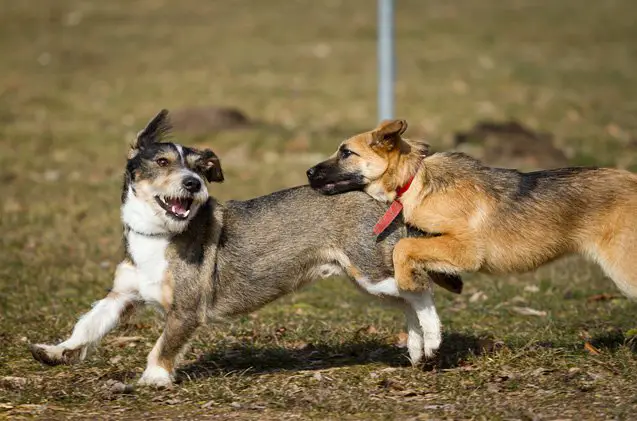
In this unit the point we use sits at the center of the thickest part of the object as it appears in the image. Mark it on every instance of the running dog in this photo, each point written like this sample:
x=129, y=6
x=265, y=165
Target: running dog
x=197, y=259
x=487, y=219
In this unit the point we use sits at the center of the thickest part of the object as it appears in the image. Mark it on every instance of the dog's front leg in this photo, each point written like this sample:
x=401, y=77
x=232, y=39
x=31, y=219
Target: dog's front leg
x=180, y=326
x=445, y=254
x=95, y=324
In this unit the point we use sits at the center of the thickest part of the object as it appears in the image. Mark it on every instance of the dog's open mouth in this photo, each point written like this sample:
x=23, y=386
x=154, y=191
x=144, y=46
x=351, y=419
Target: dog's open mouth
x=177, y=207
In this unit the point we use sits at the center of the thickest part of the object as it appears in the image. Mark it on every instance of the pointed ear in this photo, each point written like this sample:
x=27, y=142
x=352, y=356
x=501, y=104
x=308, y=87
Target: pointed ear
x=154, y=132
x=211, y=166
x=387, y=135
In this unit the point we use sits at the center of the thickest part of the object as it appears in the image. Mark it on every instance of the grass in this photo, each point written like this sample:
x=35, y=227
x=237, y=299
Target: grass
x=79, y=78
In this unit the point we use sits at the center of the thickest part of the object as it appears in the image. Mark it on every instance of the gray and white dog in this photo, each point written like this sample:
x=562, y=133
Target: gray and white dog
x=197, y=259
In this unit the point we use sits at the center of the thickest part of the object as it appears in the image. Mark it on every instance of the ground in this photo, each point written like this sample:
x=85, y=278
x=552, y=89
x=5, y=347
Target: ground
x=79, y=78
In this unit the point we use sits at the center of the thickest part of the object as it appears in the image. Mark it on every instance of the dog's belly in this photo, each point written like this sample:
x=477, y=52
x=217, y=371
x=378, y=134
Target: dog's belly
x=520, y=255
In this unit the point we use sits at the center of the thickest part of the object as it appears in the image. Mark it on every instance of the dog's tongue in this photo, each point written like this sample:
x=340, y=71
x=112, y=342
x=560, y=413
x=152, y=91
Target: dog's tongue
x=177, y=207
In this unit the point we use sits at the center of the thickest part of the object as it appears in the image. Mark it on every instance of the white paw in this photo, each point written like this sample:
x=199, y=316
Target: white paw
x=415, y=348
x=432, y=343
x=56, y=354
x=156, y=377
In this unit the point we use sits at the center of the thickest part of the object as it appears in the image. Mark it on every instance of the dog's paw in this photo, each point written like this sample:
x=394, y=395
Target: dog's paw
x=432, y=343
x=55, y=355
x=415, y=347
x=156, y=377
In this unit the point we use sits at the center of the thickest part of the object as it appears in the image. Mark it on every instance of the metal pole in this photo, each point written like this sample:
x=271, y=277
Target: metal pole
x=385, y=59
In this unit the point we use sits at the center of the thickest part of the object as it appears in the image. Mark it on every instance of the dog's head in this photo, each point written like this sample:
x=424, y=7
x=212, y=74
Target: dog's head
x=164, y=182
x=367, y=161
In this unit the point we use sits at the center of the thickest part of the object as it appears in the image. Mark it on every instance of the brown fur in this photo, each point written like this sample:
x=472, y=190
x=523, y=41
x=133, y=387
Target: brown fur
x=490, y=219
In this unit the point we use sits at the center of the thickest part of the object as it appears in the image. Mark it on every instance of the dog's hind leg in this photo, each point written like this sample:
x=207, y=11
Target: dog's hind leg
x=422, y=318
x=425, y=309
x=415, y=336
x=179, y=328
x=619, y=264
x=95, y=324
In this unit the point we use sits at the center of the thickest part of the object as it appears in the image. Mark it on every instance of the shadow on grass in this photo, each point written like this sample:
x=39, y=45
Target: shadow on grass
x=613, y=340
x=455, y=349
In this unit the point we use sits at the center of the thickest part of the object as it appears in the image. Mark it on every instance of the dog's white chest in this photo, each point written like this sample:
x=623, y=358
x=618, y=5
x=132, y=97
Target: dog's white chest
x=149, y=256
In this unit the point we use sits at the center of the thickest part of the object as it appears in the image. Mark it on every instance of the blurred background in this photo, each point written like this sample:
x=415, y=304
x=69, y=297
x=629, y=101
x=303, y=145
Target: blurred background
x=273, y=87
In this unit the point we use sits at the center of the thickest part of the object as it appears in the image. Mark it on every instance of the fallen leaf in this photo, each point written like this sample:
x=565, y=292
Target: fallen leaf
x=591, y=349
x=123, y=340
x=390, y=384
x=603, y=297
x=370, y=330
x=461, y=368
x=401, y=340
x=477, y=296
x=488, y=345
x=541, y=371
x=115, y=359
x=409, y=392
x=300, y=345
x=114, y=386
x=528, y=311
x=173, y=401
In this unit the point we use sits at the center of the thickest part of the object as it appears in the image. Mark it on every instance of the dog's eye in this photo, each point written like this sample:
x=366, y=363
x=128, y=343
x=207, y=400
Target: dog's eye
x=162, y=162
x=345, y=153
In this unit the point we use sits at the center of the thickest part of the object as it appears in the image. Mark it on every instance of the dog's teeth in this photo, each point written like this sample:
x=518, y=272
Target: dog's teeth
x=187, y=212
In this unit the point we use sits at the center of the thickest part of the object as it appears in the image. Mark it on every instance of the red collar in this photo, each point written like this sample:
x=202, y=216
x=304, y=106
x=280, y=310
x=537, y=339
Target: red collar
x=394, y=210
x=402, y=189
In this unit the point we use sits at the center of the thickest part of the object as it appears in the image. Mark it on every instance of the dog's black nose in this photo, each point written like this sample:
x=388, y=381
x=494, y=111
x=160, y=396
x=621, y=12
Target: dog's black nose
x=192, y=184
x=310, y=173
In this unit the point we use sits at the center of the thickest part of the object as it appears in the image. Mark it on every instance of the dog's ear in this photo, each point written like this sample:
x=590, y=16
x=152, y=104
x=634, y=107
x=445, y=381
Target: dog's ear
x=211, y=166
x=154, y=132
x=387, y=135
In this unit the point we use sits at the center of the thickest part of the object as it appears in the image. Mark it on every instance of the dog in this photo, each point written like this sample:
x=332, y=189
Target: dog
x=196, y=259
x=483, y=219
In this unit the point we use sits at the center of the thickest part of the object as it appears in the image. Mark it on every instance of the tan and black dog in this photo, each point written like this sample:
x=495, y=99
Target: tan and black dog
x=489, y=219
x=196, y=259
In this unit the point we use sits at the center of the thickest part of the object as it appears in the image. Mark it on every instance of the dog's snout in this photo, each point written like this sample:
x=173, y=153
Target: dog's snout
x=192, y=184
x=311, y=172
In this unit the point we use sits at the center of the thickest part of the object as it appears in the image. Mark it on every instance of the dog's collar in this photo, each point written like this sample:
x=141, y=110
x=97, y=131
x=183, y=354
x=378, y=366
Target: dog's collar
x=394, y=210
x=145, y=234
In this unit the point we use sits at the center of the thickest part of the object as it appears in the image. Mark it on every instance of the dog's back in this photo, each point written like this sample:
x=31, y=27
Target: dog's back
x=274, y=244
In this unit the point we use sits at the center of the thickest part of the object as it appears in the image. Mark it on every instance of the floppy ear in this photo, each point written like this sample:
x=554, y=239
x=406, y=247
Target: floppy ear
x=387, y=135
x=211, y=166
x=154, y=132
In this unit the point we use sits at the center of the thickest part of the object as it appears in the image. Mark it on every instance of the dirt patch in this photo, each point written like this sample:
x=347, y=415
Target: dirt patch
x=204, y=120
x=510, y=145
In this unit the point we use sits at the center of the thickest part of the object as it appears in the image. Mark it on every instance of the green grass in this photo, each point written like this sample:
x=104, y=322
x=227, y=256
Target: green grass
x=79, y=78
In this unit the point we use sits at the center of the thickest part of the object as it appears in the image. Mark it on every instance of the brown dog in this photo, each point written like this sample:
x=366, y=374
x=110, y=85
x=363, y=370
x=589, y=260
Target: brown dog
x=489, y=219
